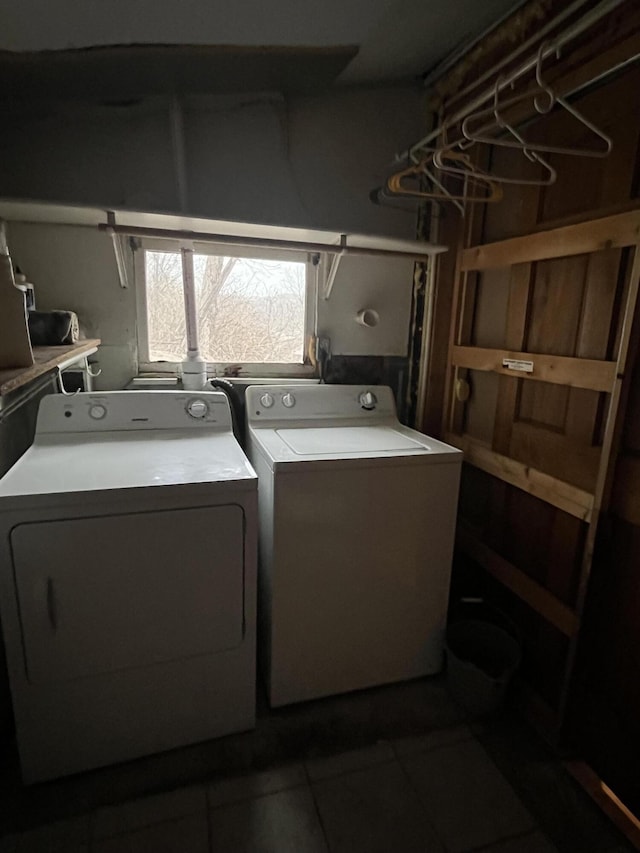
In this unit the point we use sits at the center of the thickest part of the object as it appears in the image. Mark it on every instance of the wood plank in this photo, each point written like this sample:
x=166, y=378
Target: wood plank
x=556, y=492
x=519, y=583
x=552, y=452
x=629, y=345
x=46, y=358
x=596, y=235
x=559, y=370
x=464, y=330
x=610, y=804
x=454, y=320
x=515, y=335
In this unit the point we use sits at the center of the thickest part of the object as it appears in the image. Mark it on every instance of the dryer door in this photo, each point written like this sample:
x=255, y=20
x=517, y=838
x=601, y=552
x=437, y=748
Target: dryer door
x=102, y=594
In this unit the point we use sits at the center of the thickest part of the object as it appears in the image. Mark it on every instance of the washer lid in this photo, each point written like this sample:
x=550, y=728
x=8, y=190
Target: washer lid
x=313, y=441
x=350, y=445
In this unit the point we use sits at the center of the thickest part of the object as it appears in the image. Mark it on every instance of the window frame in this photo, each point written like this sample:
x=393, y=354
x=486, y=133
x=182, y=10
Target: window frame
x=247, y=369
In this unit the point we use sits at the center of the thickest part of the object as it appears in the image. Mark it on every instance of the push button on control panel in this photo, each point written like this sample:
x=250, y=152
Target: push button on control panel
x=267, y=401
x=97, y=412
x=288, y=400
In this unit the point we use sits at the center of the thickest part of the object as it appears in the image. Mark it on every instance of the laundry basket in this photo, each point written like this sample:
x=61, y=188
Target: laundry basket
x=481, y=659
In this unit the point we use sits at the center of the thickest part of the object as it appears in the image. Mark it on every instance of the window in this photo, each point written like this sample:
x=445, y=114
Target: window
x=254, y=309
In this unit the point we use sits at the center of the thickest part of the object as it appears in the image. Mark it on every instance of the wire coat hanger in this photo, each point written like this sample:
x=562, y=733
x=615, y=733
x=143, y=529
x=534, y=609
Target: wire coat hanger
x=490, y=190
x=477, y=135
x=532, y=156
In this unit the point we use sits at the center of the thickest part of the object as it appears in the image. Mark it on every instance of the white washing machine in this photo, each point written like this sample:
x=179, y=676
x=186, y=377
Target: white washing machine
x=357, y=520
x=127, y=579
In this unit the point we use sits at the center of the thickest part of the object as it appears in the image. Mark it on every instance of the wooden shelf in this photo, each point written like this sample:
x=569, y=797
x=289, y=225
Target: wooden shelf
x=46, y=359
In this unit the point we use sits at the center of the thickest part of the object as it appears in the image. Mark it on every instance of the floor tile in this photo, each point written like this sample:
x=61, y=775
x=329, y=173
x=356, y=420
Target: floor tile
x=136, y=814
x=534, y=843
x=247, y=787
x=432, y=740
x=187, y=835
x=59, y=836
x=468, y=800
x=286, y=822
x=561, y=808
x=415, y=707
x=344, y=762
x=374, y=811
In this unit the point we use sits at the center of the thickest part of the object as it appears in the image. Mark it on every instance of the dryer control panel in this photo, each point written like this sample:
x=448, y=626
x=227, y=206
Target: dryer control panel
x=115, y=411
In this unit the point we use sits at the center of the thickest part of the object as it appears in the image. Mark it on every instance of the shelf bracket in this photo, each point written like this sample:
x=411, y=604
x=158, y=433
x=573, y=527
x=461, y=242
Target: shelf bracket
x=117, y=250
x=333, y=268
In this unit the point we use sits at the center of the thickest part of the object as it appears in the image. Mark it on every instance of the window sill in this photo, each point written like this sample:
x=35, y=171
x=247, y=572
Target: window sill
x=153, y=381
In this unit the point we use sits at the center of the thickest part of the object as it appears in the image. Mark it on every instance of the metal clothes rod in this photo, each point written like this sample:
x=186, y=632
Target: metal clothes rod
x=270, y=243
x=523, y=48
x=584, y=23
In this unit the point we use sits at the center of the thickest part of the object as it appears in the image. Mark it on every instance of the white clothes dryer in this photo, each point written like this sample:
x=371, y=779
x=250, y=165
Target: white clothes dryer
x=127, y=579
x=357, y=521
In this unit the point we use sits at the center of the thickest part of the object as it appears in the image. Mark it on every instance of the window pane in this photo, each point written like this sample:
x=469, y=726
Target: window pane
x=250, y=310
x=165, y=306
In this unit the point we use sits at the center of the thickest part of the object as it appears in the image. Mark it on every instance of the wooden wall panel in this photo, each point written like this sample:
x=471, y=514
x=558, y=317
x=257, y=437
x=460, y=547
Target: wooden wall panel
x=490, y=315
x=517, y=213
x=558, y=290
x=481, y=407
x=532, y=554
x=587, y=184
x=606, y=707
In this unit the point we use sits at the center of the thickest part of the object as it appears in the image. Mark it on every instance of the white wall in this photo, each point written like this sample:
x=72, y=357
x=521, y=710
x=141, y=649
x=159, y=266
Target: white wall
x=74, y=269
x=303, y=162
x=381, y=284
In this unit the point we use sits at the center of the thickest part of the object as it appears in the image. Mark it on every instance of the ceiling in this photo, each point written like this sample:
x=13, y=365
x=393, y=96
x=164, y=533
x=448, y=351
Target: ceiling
x=376, y=40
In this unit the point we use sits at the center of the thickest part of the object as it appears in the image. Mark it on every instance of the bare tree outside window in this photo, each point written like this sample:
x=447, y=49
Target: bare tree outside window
x=249, y=310
x=165, y=306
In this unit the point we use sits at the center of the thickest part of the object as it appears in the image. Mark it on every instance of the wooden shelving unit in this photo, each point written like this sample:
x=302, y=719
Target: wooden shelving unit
x=503, y=454
x=46, y=359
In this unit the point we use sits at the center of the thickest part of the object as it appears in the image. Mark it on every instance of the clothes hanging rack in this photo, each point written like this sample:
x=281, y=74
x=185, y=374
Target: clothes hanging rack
x=522, y=49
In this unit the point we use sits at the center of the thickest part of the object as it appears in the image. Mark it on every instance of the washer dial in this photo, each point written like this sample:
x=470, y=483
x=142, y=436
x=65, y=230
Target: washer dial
x=267, y=401
x=368, y=400
x=197, y=408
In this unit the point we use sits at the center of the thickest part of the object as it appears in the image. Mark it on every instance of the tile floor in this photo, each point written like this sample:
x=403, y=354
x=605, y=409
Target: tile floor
x=417, y=778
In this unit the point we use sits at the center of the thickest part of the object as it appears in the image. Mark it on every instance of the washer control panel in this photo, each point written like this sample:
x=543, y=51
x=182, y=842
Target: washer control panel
x=316, y=402
x=111, y=411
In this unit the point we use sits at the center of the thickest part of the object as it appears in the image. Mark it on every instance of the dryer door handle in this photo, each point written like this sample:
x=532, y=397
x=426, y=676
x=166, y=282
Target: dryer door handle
x=51, y=605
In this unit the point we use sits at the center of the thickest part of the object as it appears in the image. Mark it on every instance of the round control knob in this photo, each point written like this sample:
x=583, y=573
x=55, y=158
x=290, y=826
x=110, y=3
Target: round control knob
x=97, y=412
x=368, y=400
x=197, y=408
x=288, y=400
x=266, y=401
